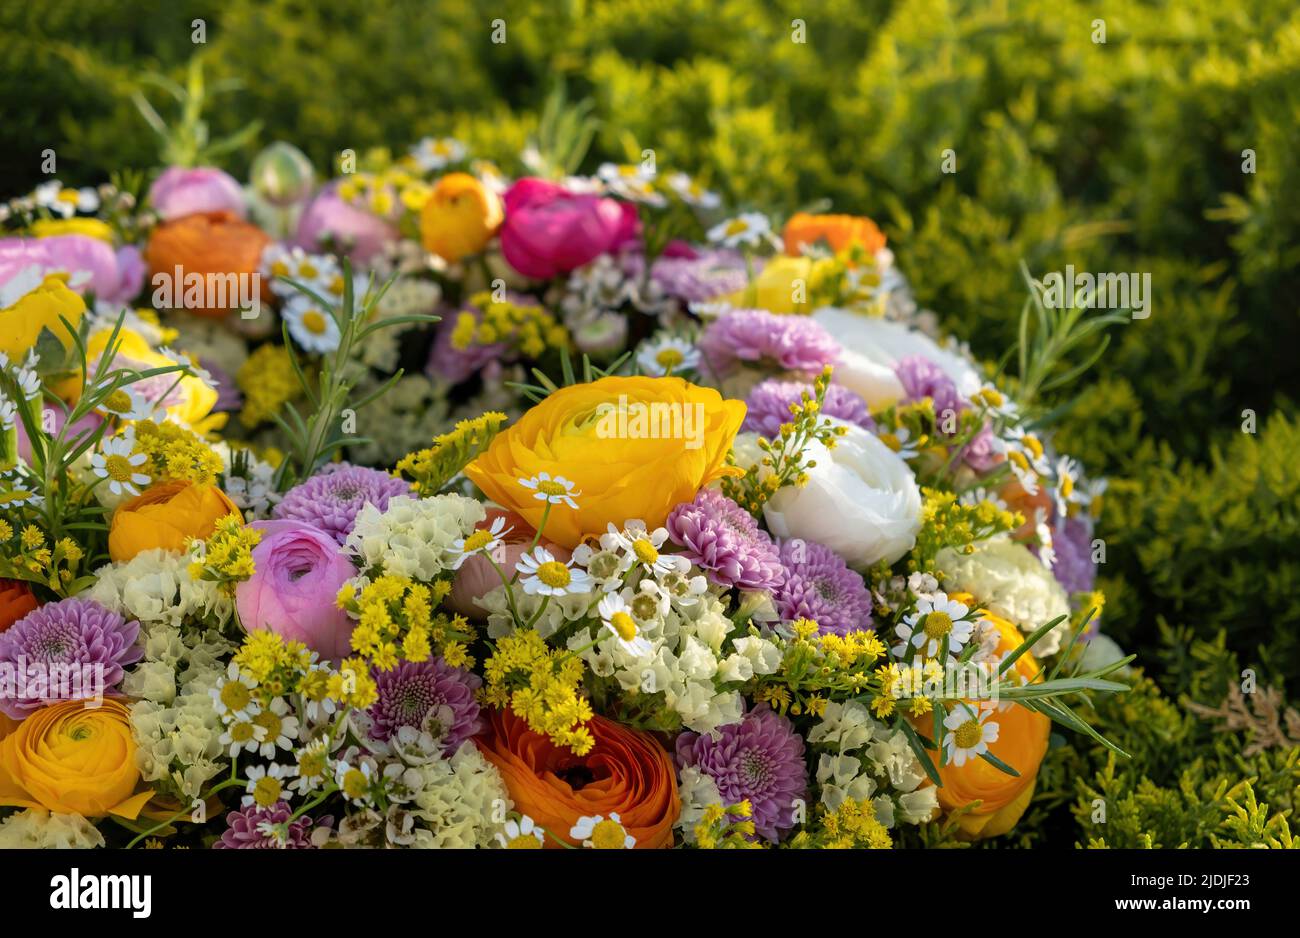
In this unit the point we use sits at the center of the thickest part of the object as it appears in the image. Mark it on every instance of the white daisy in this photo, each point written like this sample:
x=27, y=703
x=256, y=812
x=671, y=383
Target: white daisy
x=241, y=734
x=553, y=490
x=355, y=781
x=1030, y=447
x=934, y=619
x=617, y=616
x=601, y=833
x=748, y=228
x=266, y=785
x=118, y=464
x=281, y=727
x=8, y=413
x=1067, y=490
x=543, y=575
x=482, y=541
x=666, y=355
x=692, y=193
x=632, y=182
x=233, y=695
x=126, y=403
x=313, y=766
x=433, y=155
x=311, y=327
x=900, y=441
x=521, y=835
x=969, y=734
x=641, y=546
x=605, y=566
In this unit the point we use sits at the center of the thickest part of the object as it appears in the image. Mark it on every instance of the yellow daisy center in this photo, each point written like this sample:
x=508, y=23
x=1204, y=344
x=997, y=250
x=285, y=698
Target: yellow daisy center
x=235, y=696
x=314, y=322
x=551, y=488
x=267, y=791
x=311, y=763
x=478, y=540
x=1019, y=459
x=307, y=270
x=1067, y=486
x=624, y=625
x=524, y=842
x=937, y=625
x=968, y=734
x=608, y=835
x=892, y=441
x=554, y=574
x=1032, y=444
x=119, y=402
x=354, y=783
x=271, y=721
x=736, y=226
x=280, y=269
x=669, y=358
x=241, y=732
x=645, y=551
x=119, y=468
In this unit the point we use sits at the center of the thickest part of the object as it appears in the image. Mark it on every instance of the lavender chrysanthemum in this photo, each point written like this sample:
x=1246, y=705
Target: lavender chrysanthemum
x=788, y=343
x=331, y=499
x=79, y=635
x=704, y=277
x=723, y=539
x=820, y=586
x=265, y=829
x=1072, y=545
x=768, y=406
x=413, y=690
x=922, y=378
x=761, y=759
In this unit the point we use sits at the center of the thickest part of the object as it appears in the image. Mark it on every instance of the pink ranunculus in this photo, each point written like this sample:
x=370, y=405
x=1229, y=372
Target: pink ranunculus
x=180, y=191
x=299, y=571
x=476, y=577
x=550, y=230
x=91, y=264
x=329, y=219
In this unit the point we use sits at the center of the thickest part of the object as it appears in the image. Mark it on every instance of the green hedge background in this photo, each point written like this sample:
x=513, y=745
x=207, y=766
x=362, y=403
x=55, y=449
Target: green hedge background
x=1122, y=156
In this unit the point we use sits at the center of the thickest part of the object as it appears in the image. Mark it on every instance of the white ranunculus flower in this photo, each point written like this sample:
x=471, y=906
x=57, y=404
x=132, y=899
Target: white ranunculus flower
x=1009, y=580
x=871, y=348
x=861, y=501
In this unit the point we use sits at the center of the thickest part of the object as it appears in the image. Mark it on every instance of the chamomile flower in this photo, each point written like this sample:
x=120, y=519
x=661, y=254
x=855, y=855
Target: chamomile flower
x=641, y=546
x=1031, y=447
x=1023, y=470
x=521, y=835
x=998, y=404
x=16, y=492
x=311, y=326
x=972, y=497
x=969, y=734
x=901, y=442
x=1046, y=549
x=313, y=766
x=28, y=377
x=126, y=404
x=66, y=202
x=354, y=781
x=748, y=228
x=482, y=541
x=692, y=193
x=433, y=155
x=119, y=465
x=241, y=734
x=1066, y=490
x=605, y=566
x=543, y=575
x=617, y=617
x=318, y=272
x=281, y=727
x=601, y=833
x=266, y=785
x=233, y=695
x=666, y=355
x=554, y=490
x=934, y=620
x=632, y=182
x=8, y=413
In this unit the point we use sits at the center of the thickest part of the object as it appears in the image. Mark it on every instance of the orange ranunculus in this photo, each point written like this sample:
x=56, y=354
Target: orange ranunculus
x=1021, y=744
x=460, y=217
x=841, y=232
x=634, y=448
x=69, y=758
x=626, y=773
x=16, y=600
x=166, y=515
x=207, y=243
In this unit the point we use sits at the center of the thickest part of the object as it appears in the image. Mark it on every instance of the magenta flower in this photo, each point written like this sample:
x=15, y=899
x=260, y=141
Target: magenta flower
x=757, y=337
x=331, y=499
x=270, y=828
x=701, y=277
x=412, y=691
x=180, y=191
x=819, y=585
x=549, y=230
x=722, y=538
x=330, y=221
x=768, y=406
x=299, y=571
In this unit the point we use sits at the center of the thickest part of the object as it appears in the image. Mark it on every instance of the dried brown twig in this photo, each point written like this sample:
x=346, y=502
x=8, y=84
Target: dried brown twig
x=1266, y=720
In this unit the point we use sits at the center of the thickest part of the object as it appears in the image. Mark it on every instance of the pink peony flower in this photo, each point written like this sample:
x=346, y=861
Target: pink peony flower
x=180, y=191
x=92, y=265
x=299, y=571
x=328, y=219
x=550, y=231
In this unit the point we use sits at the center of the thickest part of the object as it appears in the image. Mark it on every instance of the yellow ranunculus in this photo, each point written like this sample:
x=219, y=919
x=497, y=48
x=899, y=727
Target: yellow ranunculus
x=90, y=227
x=21, y=324
x=784, y=285
x=459, y=217
x=166, y=515
x=69, y=758
x=634, y=448
x=1021, y=744
x=190, y=401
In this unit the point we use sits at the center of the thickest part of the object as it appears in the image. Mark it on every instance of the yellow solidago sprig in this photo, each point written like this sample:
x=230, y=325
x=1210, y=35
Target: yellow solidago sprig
x=784, y=462
x=817, y=667
x=528, y=328
x=396, y=621
x=175, y=453
x=436, y=465
x=27, y=554
x=271, y=667
x=851, y=826
x=543, y=686
x=727, y=828
x=946, y=522
x=226, y=557
x=268, y=382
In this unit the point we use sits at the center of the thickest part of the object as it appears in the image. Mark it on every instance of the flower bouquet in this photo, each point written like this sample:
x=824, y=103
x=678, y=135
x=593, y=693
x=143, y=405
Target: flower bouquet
x=431, y=508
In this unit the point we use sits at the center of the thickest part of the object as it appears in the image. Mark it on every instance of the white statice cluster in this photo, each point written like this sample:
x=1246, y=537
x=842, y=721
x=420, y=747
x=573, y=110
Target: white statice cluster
x=861, y=758
x=35, y=829
x=155, y=587
x=413, y=537
x=1009, y=580
x=248, y=481
x=176, y=727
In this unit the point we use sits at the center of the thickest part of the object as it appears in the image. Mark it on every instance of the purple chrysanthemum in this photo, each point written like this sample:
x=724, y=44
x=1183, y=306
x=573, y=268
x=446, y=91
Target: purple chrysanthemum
x=722, y=538
x=921, y=378
x=1072, y=544
x=704, y=277
x=265, y=829
x=768, y=406
x=820, y=586
x=790, y=343
x=412, y=690
x=332, y=499
x=60, y=648
x=984, y=451
x=761, y=759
